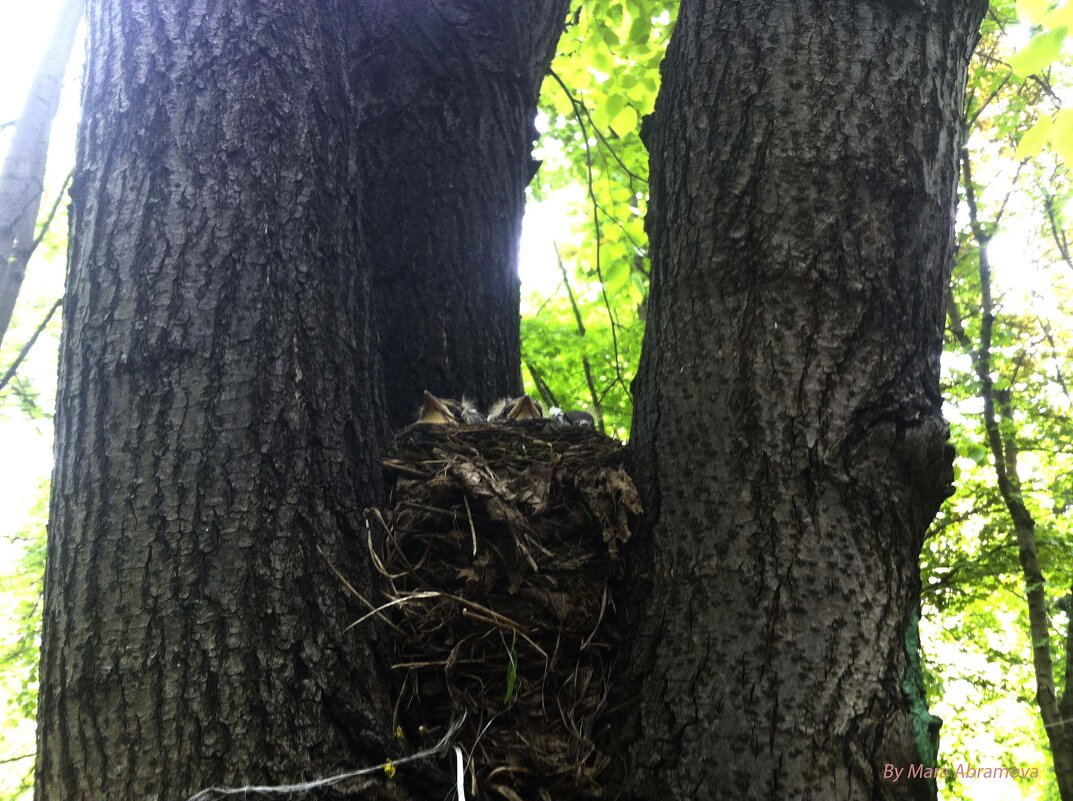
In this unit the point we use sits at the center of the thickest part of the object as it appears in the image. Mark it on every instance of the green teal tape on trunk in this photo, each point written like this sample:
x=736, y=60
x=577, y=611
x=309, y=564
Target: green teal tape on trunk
x=925, y=725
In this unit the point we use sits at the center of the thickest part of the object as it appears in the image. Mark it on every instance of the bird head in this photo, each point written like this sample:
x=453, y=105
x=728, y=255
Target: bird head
x=435, y=412
x=465, y=411
x=525, y=408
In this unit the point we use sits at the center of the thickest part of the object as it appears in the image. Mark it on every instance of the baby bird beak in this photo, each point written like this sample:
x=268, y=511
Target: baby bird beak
x=434, y=412
x=525, y=408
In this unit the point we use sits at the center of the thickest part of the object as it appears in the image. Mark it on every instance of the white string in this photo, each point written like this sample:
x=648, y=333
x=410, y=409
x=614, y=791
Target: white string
x=460, y=765
x=289, y=789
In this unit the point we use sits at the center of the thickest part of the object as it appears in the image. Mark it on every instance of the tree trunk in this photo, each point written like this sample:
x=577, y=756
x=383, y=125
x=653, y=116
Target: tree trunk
x=788, y=437
x=218, y=418
x=1062, y=742
x=447, y=93
x=1000, y=426
x=23, y=177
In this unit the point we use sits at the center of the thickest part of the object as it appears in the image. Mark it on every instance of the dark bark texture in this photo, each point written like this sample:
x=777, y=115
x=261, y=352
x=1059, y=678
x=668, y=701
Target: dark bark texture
x=217, y=420
x=788, y=435
x=448, y=91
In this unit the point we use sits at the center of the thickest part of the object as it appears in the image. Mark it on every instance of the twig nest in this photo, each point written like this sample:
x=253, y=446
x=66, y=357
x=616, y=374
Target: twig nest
x=499, y=555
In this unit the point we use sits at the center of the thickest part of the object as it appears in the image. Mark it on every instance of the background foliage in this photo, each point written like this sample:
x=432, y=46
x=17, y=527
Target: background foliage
x=583, y=319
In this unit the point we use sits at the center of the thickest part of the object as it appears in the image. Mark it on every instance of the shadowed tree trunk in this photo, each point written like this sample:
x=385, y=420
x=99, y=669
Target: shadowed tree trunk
x=447, y=93
x=22, y=178
x=218, y=418
x=788, y=437
x=1055, y=705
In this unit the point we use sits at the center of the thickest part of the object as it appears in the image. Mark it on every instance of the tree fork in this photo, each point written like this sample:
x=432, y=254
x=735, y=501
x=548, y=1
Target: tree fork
x=788, y=436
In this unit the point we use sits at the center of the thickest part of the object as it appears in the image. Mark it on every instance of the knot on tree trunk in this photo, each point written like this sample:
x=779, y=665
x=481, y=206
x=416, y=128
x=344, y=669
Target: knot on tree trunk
x=928, y=455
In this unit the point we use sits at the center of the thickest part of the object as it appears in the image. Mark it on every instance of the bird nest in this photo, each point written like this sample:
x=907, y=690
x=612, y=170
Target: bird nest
x=500, y=562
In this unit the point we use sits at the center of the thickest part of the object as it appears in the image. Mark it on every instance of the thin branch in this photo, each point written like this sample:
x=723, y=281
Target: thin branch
x=597, y=406
x=1058, y=234
x=570, y=292
x=51, y=215
x=988, y=100
x=622, y=227
x=957, y=326
x=993, y=60
x=948, y=578
x=578, y=115
x=24, y=352
x=542, y=386
x=596, y=130
x=993, y=15
x=1054, y=355
x=547, y=300
x=1006, y=200
x=1065, y=705
x=1044, y=83
x=1004, y=457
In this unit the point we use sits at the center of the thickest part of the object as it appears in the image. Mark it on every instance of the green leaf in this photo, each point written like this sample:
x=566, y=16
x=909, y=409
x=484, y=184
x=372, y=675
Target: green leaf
x=638, y=286
x=625, y=121
x=639, y=93
x=613, y=106
x=1033, y=140
x=1041, y=51
x=512, y=678
x=1062, y=135
x=599, y=116
x=1031, y=11
x=616, y=277
x=601, y=60
x=641, y=29
x=1060, y=17
x=978, y=453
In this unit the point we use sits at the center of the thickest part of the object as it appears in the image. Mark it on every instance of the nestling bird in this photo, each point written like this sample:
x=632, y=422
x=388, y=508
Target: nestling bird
x=574, y=418
x=434, y=411
x=521, y=408
x=464, y=411
x=448, y=411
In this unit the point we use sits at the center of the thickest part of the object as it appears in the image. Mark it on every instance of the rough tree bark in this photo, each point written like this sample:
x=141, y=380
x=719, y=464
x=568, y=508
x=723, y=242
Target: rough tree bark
x=788, y=437
x=23, y=176
x=447, y=92
x=217, y=419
